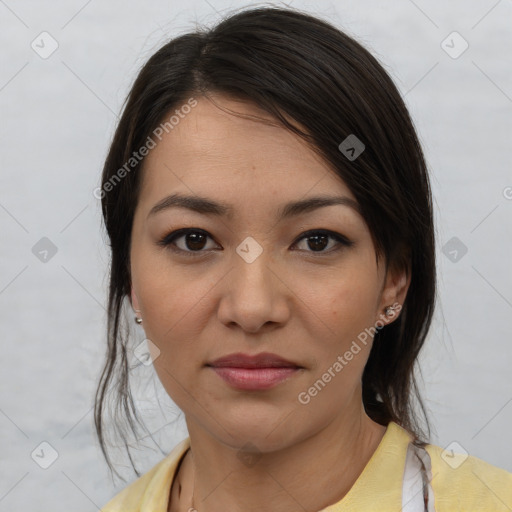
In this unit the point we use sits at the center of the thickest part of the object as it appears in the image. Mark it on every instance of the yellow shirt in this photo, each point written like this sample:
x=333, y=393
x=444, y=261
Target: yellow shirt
x=473, y=485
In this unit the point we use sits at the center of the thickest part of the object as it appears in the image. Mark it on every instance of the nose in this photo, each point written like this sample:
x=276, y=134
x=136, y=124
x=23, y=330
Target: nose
x=254, y=295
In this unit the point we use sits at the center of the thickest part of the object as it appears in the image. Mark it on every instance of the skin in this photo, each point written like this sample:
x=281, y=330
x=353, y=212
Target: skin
x=305, y=304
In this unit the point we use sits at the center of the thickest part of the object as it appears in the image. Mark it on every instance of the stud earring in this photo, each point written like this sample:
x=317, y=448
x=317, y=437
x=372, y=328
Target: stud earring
x=137, y=319
x=390, y=310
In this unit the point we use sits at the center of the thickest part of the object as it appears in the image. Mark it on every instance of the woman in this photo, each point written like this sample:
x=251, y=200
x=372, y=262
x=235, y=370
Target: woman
x=270, y=218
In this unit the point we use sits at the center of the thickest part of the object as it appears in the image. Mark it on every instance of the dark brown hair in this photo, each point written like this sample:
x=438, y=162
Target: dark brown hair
x=304, y=72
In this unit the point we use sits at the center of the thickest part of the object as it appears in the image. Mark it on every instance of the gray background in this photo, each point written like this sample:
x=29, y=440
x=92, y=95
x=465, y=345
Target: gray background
x=57, y=117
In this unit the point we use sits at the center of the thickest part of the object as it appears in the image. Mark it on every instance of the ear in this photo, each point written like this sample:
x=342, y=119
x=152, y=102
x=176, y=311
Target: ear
x=394, y=291
x=134, y=300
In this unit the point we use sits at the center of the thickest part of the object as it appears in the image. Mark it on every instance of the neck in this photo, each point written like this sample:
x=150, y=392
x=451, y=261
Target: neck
x=218, y=478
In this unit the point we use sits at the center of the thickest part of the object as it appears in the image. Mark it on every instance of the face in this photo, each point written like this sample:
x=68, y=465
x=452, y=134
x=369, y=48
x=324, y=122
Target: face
x=209, y=283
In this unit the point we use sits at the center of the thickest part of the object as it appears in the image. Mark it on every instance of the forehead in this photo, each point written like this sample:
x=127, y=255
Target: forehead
x=221, y=155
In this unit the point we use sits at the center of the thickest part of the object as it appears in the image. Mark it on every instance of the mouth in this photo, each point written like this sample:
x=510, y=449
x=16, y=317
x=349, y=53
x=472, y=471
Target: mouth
x=254, y=378
x=254, y=372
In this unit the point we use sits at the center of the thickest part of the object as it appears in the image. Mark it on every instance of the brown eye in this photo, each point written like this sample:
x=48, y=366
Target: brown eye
x=194, y=241
x=318, y=240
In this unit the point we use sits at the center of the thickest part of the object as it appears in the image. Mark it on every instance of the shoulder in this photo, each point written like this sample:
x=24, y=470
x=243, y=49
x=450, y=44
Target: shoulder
x=460, y=481
x=150, y=491
x=465, y=482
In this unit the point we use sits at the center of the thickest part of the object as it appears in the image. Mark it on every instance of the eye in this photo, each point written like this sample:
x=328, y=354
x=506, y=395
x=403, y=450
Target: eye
x=318, y=239
x=194, y=241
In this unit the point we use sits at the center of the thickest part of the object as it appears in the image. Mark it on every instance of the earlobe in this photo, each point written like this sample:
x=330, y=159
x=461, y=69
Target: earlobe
x=134, y=300
x=135, y=305
x=394, y=294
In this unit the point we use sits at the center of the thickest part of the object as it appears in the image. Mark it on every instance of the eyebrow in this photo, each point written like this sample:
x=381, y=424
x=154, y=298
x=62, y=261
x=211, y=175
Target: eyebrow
x=206, y=206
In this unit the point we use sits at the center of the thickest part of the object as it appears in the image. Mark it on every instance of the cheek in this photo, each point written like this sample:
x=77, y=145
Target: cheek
x=340, y=307
x=173, y=307
x=168, y=294
x=346, y=304
x=342, y=312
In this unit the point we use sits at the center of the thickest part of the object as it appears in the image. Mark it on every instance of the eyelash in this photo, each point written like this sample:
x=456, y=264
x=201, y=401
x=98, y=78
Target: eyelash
x=167, y=240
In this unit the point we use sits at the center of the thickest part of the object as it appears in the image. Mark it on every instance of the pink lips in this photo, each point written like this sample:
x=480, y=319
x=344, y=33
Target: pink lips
x=258, y=372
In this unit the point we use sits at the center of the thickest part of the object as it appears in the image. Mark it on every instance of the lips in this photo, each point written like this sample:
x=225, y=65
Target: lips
x=254, y=379
x=262, y=360
x=254, y=373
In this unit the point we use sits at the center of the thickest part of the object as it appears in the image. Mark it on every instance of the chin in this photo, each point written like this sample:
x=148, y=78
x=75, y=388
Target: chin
x=260, y=435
